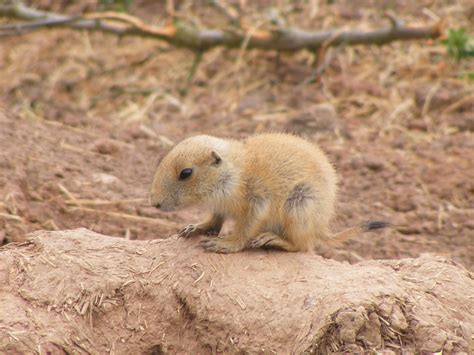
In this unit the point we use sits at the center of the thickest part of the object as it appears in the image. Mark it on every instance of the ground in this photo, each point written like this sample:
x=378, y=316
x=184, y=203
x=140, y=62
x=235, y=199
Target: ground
x=86, y=117
x=95, y=294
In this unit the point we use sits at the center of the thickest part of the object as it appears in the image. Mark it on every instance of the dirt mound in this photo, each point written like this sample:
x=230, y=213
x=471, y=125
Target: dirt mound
x=78, y=291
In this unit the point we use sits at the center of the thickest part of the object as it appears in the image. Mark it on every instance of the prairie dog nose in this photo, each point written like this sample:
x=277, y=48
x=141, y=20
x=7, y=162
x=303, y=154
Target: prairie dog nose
x=153, y=201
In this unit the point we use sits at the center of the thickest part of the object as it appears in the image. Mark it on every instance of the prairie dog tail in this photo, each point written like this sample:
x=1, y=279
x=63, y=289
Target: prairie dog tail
x=353, y=231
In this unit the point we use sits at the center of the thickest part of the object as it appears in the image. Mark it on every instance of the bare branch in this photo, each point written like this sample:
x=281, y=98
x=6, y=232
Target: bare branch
x=185, y=35
x=21, y=28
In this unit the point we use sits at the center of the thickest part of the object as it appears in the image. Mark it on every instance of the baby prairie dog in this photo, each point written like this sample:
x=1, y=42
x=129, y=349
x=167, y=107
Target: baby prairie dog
x=279, y=189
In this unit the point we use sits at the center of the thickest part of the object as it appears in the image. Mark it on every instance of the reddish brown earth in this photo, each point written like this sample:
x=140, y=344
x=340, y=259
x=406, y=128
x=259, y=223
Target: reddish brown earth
x=86, y=117
x=81, y=292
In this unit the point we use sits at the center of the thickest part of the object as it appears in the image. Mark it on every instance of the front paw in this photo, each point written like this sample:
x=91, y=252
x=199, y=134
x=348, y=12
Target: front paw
x=220, y=246
x=189, y=231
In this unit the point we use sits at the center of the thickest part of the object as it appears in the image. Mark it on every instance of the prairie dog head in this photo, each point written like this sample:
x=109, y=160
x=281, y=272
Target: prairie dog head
x=194, y=171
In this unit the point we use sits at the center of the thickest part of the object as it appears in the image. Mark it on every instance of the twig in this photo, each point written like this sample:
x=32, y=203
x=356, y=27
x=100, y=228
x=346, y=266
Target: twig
x=227, y=11
x=94, y=74
x=78, y=202
x=11, y=217
x=76, y=149
x=456, y=105
x=50, y=224
x=68, y=194
x=185, y=35
x=21, y=28
x=394, y=22
x=322, y=64
x=192, y=71
x=276, y=19
x=130, y=217
x=323, y=60
x=429, y=97
x=199, y=278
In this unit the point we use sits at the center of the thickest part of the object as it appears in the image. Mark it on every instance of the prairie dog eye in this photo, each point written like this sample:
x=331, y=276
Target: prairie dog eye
x=185, y=173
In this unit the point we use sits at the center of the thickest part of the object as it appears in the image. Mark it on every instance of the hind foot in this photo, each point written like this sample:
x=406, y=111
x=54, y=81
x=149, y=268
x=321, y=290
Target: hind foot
x=272, y=240
x=218, y=245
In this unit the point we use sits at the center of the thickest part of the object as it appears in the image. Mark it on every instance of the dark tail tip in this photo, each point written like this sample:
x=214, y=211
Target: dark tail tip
x=371, y=225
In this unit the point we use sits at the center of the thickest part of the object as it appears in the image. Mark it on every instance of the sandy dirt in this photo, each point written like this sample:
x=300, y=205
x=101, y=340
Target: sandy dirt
x=81, y=292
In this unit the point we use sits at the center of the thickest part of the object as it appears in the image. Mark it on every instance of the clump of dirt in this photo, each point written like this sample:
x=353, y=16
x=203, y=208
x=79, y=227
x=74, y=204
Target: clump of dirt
x=98, y=294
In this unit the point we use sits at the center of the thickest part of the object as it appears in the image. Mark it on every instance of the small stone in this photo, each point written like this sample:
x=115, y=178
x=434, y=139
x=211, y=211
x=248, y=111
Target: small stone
x=403, y=203
x=105, y=179
x=397, y=319
x=106, y=146
x=350, y=322
x=371, y=331
x=371, y=162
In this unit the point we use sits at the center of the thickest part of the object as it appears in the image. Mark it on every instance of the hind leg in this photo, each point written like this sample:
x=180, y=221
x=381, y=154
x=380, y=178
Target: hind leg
x=305, y=215
x=270, y=239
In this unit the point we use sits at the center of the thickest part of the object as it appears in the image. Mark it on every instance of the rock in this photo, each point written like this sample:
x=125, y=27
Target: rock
x=106, y=146
x=369, y=161
x=105, y=179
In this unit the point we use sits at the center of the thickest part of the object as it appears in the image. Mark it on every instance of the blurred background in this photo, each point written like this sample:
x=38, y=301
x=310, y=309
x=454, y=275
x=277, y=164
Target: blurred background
x=86, y=116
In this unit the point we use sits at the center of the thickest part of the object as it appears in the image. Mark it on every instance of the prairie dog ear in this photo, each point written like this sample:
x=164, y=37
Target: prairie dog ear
x=216, y=158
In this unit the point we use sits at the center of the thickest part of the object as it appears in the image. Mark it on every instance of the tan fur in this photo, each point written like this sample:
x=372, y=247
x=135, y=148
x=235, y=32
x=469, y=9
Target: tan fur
x=279, y=189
